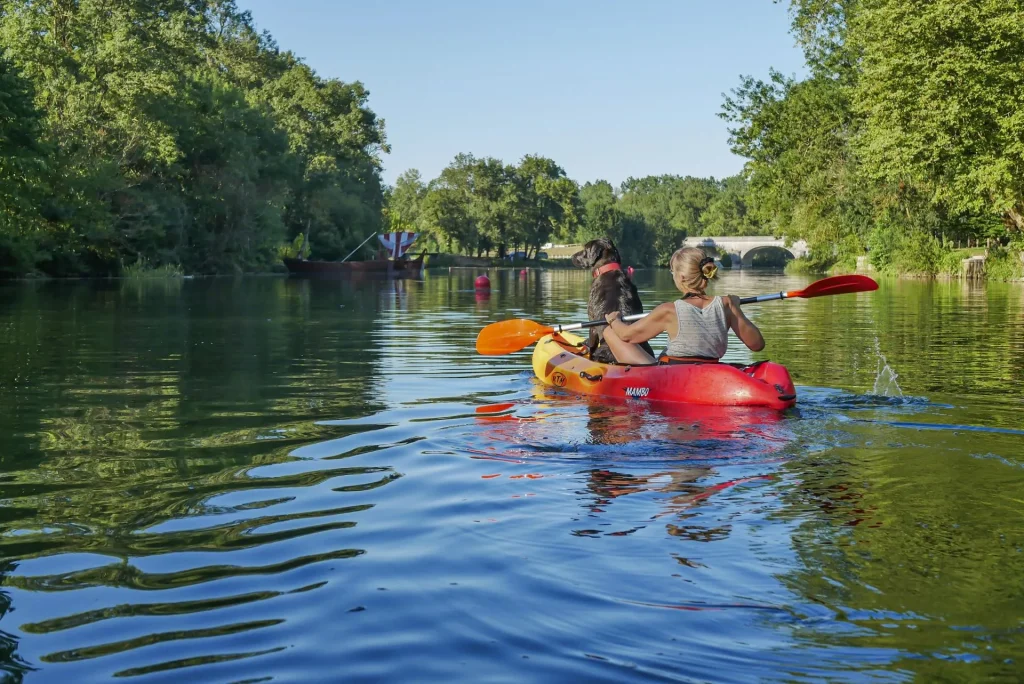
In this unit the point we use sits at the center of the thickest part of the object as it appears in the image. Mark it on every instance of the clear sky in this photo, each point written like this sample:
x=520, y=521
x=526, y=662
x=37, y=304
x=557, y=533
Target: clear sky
x=607, y=88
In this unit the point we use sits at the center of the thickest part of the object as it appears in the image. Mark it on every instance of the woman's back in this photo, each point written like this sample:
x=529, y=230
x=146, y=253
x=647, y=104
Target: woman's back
x=702, y=332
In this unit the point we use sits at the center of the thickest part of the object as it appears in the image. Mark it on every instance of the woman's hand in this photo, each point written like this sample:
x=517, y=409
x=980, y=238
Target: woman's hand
x=612, y=317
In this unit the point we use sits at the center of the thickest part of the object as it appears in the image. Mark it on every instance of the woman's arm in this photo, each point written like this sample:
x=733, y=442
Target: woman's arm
x=644, y=329
x=741, y=325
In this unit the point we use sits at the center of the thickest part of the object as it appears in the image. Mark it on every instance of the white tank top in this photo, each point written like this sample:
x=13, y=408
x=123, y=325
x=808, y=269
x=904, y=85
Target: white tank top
x=702, y=332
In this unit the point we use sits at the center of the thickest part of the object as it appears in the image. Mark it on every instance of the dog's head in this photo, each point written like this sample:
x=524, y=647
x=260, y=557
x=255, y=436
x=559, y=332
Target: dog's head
x=596, y=253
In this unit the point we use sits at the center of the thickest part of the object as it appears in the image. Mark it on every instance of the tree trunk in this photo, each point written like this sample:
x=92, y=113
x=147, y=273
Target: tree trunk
x=1015, y=218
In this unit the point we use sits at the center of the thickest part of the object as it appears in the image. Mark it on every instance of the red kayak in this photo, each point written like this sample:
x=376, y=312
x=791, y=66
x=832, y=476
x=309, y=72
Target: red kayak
x=557, y=362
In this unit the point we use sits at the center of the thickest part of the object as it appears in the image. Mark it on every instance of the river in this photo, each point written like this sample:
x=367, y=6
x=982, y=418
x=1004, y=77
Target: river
x=263, y=479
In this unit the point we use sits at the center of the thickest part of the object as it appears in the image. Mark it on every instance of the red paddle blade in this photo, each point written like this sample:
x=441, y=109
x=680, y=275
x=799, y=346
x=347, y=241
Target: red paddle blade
x=494, y=408
x=505, y=337
x=836, y=285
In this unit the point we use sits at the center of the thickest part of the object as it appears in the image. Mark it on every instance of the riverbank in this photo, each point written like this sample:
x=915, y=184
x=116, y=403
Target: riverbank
x=996, y=264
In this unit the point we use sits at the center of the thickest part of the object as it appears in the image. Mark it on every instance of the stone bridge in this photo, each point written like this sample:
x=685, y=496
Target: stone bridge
x=742, y=249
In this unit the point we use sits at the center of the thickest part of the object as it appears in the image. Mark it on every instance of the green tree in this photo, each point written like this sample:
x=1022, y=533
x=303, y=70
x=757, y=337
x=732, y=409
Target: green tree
x=805, y=181
x=941, y=92
x=22, y=169
x=174, y=133
x=601, y=217
x=447, y=213
x=336, y=141
x=404, y=201
x=549, y=201
x=480, y=205
x=728, y=213
x=670, y=206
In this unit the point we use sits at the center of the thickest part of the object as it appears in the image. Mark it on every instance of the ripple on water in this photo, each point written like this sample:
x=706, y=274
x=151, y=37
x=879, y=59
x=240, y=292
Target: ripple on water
x=296, y=496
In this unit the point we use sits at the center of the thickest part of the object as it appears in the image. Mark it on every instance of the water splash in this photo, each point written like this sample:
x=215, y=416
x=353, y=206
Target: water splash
x=886, y=384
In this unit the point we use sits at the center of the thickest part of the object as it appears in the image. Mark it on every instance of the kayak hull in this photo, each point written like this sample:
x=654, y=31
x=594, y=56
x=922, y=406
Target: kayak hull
x=763, y=384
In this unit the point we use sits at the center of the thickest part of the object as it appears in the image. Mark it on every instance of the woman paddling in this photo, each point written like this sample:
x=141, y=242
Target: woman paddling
x=697, y=324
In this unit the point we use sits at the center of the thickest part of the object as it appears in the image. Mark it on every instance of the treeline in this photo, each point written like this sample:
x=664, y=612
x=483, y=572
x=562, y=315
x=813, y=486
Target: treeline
x=481, y=206
x=906, y=140
x=172, y=132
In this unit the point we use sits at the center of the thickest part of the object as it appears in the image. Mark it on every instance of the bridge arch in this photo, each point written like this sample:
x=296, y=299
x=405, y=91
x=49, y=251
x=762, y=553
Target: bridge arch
x=743, y=249
x=766, y=251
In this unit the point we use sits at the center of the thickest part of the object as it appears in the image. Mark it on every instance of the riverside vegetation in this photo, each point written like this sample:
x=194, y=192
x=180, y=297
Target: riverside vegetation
x=173, y=136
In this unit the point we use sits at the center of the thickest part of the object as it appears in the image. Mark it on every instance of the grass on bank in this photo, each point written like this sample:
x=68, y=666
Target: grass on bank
x=1001, y=264
x=140, y=269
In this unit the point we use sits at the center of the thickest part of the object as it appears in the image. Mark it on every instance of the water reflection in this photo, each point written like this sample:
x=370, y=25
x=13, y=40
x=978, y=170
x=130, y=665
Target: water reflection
x=242, y=479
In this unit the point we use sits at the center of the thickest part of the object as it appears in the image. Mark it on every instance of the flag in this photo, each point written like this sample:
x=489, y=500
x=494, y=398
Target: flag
x=397, y=243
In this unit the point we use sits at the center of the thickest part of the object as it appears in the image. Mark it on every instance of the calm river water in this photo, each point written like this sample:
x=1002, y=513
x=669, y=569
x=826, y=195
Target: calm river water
x=272, y=480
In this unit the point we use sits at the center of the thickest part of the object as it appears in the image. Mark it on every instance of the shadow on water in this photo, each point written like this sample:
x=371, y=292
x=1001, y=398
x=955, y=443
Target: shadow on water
x=262, y=478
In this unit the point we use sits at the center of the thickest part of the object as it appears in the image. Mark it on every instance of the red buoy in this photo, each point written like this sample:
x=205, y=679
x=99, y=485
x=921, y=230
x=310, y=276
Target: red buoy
x=630, y=271
x=522, y=274
x=483, y=283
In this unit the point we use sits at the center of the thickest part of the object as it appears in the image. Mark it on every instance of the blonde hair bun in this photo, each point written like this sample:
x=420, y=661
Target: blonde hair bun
x=693, y=268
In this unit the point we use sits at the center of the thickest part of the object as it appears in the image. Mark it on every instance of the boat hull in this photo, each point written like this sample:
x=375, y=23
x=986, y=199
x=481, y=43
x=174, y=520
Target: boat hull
x=766, y=384
x=400, y=268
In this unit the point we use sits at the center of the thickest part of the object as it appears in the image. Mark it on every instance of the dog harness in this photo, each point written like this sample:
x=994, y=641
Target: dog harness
x=606, y=268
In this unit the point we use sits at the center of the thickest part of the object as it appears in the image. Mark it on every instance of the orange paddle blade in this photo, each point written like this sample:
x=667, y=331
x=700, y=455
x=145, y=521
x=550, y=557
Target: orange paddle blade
x=836, y=285
x=505, y=337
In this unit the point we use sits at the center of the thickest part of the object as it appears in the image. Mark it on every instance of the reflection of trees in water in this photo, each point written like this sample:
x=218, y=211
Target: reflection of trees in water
x=135, y=405
x=907, y=546
x=931, y=333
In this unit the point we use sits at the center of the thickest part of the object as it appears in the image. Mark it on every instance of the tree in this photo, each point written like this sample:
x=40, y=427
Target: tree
x=601, y=217
x=549, y=201
x=482, y=204
x=336, y=141
x=175, y=133
x=405, y=200
x=728, y=213
x=805, y=179
x=446, y=206
x=942, y=94
x=22, y=168
x=670, y=206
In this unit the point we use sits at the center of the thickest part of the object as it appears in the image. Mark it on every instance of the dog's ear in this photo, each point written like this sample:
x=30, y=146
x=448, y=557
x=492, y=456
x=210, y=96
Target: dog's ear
x=611, y=252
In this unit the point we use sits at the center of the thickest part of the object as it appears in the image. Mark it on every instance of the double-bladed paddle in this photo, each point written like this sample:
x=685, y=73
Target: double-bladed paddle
x=505, y=337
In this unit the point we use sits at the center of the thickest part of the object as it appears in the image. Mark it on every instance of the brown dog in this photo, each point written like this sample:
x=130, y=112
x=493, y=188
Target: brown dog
x=611, y=290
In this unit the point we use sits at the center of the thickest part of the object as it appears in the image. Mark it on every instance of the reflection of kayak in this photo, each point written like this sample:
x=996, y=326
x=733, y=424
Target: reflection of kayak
x=767, y=384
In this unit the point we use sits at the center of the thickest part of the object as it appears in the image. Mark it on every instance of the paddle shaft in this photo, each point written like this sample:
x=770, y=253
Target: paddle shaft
x=764, y=298
x=637, y=317
x=591, y=324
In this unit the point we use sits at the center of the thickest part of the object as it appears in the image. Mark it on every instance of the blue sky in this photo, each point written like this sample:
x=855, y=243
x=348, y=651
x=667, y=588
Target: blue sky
x=607, y=88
